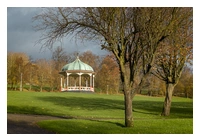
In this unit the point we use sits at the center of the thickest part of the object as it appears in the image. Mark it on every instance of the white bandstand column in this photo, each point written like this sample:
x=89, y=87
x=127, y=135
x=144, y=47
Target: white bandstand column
x=60, y=83
x=64, y=83
x=93, y=82
x=80, y=80
x=68, y=79
x=90, y=80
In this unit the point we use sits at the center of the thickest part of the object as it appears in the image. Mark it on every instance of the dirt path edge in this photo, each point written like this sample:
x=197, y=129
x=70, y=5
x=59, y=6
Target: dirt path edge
x=26, y=124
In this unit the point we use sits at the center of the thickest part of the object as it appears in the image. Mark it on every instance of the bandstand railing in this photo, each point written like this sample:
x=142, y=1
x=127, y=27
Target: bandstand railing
x=91, y=89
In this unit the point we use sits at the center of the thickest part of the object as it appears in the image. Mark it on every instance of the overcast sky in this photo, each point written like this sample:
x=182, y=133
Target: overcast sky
x=21, y=37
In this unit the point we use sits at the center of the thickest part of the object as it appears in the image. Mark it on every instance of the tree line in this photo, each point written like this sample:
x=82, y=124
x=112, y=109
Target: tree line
x=42, y=74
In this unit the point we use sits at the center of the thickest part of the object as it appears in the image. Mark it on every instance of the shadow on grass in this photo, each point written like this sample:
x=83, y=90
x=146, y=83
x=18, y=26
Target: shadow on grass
x=85, y=103
x=178, y=109
x=109, y=122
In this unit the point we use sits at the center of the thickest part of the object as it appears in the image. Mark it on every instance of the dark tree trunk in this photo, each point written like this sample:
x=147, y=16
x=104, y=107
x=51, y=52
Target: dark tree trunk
x=12, y=85
x=30, y=86
x=186, y=93
x=128, y=109
x=40, y=88
x=168, y=99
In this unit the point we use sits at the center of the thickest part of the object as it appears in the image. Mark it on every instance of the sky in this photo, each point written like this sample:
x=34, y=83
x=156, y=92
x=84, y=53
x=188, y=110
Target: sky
x=21, y=36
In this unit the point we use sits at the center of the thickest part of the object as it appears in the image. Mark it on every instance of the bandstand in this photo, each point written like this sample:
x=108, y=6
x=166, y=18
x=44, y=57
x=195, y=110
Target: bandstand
x=77, y=76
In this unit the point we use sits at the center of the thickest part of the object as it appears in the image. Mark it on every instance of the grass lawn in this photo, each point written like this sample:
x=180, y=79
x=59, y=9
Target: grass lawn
x=103, y=114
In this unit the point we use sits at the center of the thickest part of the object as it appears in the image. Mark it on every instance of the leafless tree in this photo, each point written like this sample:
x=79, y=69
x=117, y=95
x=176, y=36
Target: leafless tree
x=173, y=54
x=60, y=57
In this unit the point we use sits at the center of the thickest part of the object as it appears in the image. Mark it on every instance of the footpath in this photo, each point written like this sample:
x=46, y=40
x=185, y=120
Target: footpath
x=26, y=124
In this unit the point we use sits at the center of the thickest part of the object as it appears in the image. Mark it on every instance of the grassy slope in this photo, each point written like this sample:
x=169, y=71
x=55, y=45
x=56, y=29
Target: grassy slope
x=110, y=107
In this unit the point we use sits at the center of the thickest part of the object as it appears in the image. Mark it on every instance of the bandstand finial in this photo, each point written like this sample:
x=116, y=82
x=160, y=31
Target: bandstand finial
x=77, y=55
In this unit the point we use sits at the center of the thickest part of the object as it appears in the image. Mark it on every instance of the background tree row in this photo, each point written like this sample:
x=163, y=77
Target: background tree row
x=42, y=74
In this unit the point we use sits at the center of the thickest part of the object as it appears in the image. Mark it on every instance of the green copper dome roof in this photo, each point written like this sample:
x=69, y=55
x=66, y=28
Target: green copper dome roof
x=77, y=65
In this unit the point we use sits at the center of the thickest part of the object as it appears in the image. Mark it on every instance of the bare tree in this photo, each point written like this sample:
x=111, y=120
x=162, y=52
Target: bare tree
x=91, y=59
x=131, y=34
x=42, y=73
x=60, y=58
x=173, y=54
x=30, y=76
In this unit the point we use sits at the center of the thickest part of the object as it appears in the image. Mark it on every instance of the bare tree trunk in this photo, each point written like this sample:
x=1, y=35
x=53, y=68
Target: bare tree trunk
x=41, y=88
x=128, y=109
x=168, y=99
x=30, y=82
x=12, y=85
x=127, y=97
x=186, y=93
x=30, y=87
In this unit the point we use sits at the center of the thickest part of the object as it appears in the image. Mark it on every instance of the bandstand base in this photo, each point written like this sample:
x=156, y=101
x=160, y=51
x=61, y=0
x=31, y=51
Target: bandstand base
x=77, y=89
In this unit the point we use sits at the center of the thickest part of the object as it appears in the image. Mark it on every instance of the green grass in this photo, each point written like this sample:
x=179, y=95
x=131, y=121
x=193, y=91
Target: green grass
x=145, y=126
x=94, y=113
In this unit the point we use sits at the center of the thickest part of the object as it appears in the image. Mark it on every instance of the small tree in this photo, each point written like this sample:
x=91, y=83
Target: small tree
x=108, y=78
x=30, y=76
x=42, y=73
x=173, y=54
x=60, y=58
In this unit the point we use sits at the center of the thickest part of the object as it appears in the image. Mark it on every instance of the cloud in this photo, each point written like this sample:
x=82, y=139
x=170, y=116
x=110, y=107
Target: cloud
x=21, y=37
x=20, y=19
